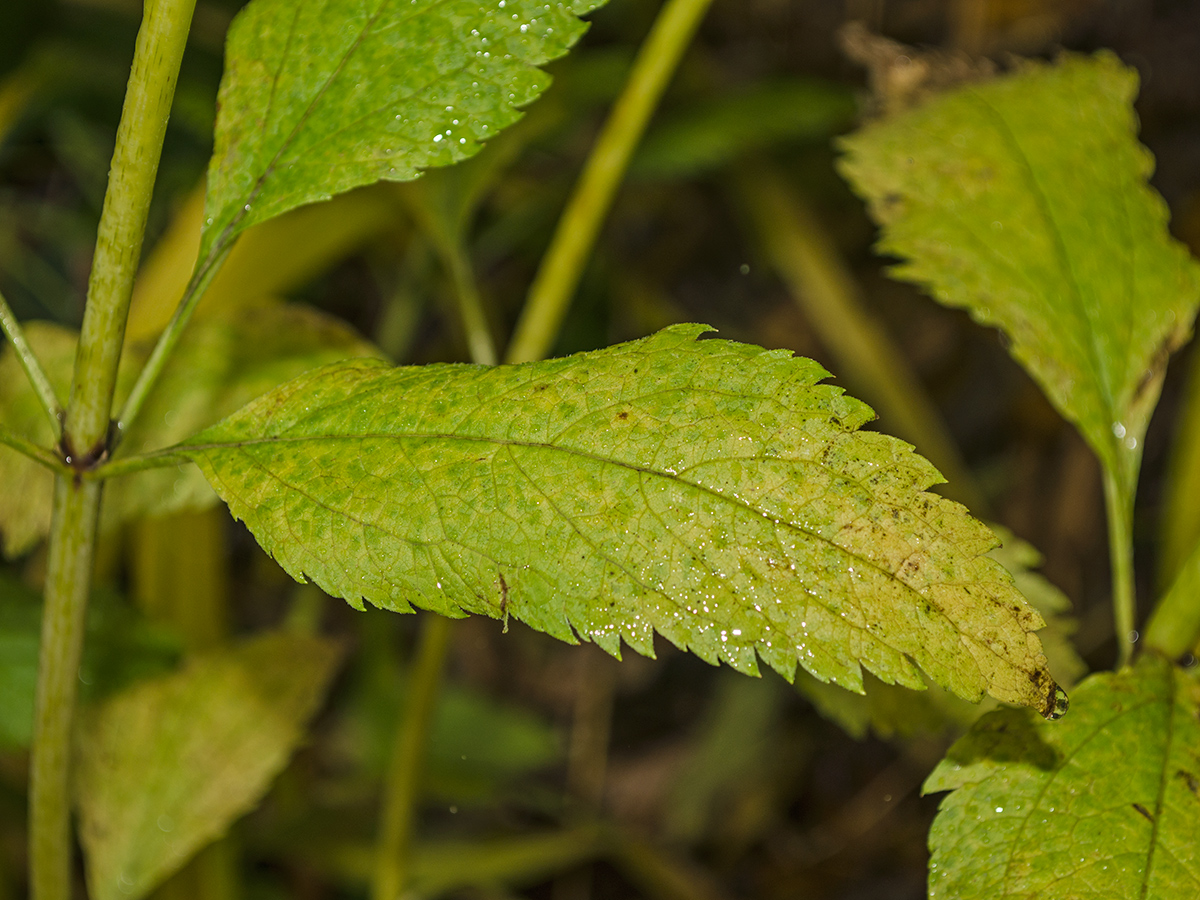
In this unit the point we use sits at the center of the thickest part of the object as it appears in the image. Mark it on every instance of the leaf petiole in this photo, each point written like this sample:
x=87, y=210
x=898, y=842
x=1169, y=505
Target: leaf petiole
x=36, y=452
x=33, y=369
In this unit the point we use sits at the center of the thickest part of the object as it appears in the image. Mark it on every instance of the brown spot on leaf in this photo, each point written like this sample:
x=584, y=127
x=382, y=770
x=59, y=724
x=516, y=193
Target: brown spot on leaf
x=1145, y=812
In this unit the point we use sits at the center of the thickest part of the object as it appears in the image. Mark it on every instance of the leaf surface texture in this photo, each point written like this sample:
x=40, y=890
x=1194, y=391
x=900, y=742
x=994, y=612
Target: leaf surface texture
x=710, y=491
x=1104, y=804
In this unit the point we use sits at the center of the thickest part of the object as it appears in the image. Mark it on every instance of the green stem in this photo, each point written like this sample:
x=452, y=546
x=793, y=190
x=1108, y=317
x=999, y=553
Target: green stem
x=36, y=452
x=68, y=581
x=563, y=264
x=169, y=339
x=393, y=850
x=811, y=266
x=1174, y=626
x=1118, y=501
x=157, y=55
x=139, y=462
x=33, y=369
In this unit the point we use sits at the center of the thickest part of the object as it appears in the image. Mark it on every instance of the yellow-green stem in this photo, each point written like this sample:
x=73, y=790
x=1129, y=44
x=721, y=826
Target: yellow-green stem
x=470, y=306
x=157, y=55
x=33, y=369
x=160, y=45
x=68, y=581
x=572, y=243
x=393, y=850
x=1118, y=501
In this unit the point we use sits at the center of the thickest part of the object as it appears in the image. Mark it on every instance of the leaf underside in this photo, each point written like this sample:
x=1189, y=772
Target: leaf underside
x=165, y=767
x=1104, y=804
x=710, y=491
x=1025, y=201
x=321, y=96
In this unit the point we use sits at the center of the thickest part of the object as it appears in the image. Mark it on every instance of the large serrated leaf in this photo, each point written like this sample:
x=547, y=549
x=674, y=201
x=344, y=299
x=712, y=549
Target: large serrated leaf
x=1104, y=804
x=320, y=96
x=167, y=766
x=710, y=491
x=1024, y=200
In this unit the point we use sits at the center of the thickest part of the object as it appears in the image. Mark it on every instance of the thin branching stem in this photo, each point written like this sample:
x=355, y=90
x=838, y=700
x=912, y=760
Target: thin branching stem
x=33, y=369
x=86, y=426
x=36, y=452
x=563, y=264
x=169, y=340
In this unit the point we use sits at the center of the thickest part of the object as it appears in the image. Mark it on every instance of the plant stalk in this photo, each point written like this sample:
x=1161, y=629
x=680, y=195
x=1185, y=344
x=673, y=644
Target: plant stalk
x=160, y=45
x=563, y=264
x=393, y=851
x=68, y=581
x=157, y=56
x=33, y=369
x=1118, y=501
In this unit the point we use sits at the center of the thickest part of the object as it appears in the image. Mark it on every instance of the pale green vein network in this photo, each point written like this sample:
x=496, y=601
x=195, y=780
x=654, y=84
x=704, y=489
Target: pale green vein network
x=321, y=96
x=710, y=491
x=1104, y=804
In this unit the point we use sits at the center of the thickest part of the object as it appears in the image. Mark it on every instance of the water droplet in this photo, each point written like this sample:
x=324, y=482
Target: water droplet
x=1118, y=430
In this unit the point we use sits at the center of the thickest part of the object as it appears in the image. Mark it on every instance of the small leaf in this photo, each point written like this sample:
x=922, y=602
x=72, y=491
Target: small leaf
x=319, y=98
x=165, y=767
x=1104, y=804
x=1024, y=200
x=710, y=491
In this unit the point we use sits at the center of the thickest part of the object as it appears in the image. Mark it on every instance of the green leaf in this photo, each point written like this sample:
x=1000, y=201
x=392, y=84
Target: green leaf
x=890, y=711
x=223, y=361
x=713, y=133
x=321, y=97
x=1104, y=804
x=710, y=491
x=1024, y=200
x=165, y=767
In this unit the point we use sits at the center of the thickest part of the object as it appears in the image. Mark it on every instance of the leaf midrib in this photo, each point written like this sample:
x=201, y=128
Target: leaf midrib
x=189, y=449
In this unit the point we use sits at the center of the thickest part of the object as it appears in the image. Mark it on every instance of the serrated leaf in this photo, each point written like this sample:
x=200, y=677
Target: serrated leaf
x=167, y=766
x=1024, y=200
x=1104, y=804
x=320, y=96
x=710, y=491
x=890, y=711
x=223, y=361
